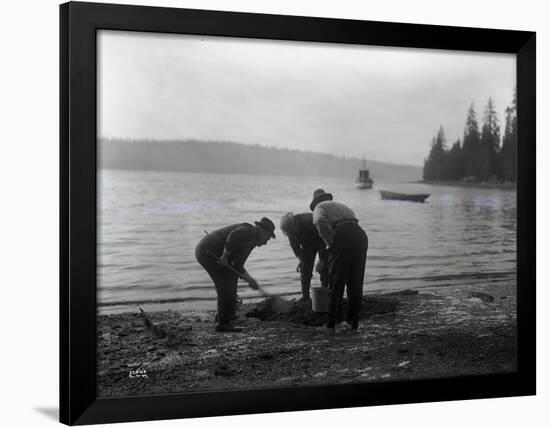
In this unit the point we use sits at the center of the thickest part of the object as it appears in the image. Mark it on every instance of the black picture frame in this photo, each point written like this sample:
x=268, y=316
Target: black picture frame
x=79, y=23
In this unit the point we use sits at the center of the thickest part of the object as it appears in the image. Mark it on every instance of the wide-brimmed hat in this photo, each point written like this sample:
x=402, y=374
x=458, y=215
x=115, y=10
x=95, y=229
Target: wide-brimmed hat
x=267, y=225
x=319, y=196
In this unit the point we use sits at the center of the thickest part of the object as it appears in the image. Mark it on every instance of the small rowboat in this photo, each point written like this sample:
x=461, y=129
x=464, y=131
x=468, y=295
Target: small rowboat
x=390, y=195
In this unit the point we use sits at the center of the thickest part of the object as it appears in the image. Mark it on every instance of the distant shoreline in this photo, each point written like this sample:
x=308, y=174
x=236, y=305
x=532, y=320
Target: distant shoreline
x=350, y=178
x=226, y=157
x=502, y=186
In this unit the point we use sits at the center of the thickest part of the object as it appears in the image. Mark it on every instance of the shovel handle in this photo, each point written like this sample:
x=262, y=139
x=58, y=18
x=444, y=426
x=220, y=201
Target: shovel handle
x=234, y=270
x=259, y=289
x=263, y=292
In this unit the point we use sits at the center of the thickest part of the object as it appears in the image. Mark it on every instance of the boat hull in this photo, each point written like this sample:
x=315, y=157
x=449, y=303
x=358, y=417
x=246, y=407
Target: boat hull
x=390, y=195
x=363, y=185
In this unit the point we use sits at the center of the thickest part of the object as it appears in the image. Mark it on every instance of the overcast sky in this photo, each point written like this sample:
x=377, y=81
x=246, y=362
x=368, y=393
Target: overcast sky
x=379, y=103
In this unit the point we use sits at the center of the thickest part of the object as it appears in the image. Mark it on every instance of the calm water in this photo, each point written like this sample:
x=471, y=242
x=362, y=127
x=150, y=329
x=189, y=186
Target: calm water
x=150, y=222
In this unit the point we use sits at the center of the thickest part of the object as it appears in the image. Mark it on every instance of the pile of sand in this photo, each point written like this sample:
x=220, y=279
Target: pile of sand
x=300, y=312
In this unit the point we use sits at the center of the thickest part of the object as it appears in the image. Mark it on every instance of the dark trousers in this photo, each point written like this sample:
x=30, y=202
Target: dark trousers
x=308, y=262
x=347, y=258
x=224, y=280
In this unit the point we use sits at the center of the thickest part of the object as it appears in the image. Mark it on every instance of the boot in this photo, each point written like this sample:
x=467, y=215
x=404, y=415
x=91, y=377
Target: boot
x=227, y=327
x=354, y=324
x=234, y=317
x=328, y=329
x=305, y=296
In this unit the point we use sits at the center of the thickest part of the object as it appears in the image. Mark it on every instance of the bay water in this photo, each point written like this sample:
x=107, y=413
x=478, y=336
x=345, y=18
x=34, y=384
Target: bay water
x=149, y=223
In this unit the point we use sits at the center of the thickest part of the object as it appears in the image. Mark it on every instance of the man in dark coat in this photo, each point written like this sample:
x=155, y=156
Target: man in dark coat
x=305, y=243
x=222, y=253
x=347, y=245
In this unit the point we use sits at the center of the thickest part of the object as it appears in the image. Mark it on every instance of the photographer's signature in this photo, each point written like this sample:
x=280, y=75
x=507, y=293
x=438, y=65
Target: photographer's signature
x=138, y=373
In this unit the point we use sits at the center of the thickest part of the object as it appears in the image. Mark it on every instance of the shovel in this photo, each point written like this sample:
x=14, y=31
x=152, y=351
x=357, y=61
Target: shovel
x=279, y=305
x=262, y=291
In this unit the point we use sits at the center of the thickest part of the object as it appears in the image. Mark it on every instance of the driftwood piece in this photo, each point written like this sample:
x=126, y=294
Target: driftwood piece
x=482, y=296
x=154, y=330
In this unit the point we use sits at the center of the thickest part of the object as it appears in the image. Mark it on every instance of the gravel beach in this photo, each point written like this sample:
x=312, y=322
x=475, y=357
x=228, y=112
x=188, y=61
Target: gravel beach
x=431, y=332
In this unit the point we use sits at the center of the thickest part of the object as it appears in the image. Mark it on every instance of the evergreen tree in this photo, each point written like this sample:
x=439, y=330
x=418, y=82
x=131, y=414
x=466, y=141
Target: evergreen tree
x=489, y=144
x=471, y=145
x=481, y=155
x=434, y=166
x=428, y=173
x=454, y=166
x=508, y=153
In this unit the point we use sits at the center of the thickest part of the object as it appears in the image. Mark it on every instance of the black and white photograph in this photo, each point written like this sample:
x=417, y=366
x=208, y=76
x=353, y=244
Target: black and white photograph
x=282, y=214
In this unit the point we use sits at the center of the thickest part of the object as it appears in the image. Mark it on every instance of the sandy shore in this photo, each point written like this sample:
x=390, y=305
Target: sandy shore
x=433, y=332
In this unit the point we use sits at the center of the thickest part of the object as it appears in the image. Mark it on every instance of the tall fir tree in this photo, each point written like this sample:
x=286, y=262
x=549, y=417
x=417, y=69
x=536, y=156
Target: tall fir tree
x=489, y=144
x=481, y=155
x=454, y=166
x=508, y=154
x=428, y=173
x=434, y=166
x=471, y=145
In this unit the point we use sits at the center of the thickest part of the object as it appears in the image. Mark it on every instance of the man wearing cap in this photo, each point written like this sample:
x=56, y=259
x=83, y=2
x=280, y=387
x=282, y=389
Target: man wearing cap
x=305, y=243
x=222, y=253
x=347, y=245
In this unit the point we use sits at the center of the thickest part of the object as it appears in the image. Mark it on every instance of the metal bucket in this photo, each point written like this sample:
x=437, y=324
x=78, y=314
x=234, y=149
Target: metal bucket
x=319, y=299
